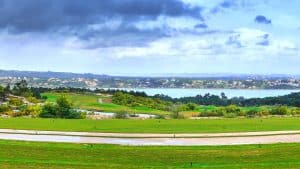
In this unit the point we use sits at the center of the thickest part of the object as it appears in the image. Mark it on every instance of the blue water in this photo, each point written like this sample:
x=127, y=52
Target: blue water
x=247, y=93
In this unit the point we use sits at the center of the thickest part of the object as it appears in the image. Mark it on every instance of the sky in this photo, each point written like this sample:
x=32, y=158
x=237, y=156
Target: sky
x=151, y=36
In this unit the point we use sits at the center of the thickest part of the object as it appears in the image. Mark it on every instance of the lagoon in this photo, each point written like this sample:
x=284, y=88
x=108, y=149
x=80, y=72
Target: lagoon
x=246, y=93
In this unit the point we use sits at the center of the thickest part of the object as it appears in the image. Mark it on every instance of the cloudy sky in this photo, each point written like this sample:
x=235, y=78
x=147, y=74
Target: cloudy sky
x=151, y=36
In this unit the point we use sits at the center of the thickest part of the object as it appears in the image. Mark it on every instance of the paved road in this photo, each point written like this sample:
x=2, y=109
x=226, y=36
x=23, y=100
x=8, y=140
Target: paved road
x=153, y=139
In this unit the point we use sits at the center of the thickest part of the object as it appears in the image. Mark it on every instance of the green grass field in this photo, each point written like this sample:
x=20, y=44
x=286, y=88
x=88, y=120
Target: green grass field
x=154, y=126
x=16, y=154
x=90, y=102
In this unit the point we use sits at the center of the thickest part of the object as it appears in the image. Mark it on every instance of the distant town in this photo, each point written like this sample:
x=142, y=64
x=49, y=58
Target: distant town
x=92, y=81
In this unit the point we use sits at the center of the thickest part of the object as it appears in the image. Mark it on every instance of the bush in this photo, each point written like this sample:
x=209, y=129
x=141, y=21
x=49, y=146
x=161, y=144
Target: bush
x=230, y=115
x=121, y=115
x=280, y=110
x=242, y=113
x=33, y=111
x=4, y=108
x=49, y=110
x=191, y=106
x=263, y=113
x=210, y=114
x=133, y=115
x=295, y=111
x=159, y=116
x=13, y=113
x=251, y=112
x=15, y=101
x=32, y=100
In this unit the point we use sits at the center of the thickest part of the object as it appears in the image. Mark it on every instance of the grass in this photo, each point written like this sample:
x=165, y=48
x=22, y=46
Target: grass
x=154, y=126
x=211, y=108
x=90, y=102
x=15, y=154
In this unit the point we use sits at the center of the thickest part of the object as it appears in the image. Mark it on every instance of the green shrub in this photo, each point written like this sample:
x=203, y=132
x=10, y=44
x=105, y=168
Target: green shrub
x=210, y=114
x=230, y=115
x=49, y=110
x=251, y=112
x=32, y=99
x=15, y=101
x=280, y=110
x=121, y=115
x=61, y=109
x=295, y=111
x=159, y=116
x=31, y=110
x=4, y=108
x=191, y=106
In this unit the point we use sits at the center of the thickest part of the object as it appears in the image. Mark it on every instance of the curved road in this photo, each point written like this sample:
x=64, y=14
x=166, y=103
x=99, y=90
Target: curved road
x=153, y=139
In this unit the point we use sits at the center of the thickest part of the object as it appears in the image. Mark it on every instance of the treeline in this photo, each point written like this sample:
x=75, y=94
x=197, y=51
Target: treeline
x=292, y=99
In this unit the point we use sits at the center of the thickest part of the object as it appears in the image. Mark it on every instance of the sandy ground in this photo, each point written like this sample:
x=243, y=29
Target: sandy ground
x=153, y=139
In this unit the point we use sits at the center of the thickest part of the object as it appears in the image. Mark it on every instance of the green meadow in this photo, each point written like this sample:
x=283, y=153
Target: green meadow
x=155, y=125
x=15, y=154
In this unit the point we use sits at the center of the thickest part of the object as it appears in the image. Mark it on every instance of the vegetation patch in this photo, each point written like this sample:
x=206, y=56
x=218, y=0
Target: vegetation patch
x=154, y=125
x=16, y=154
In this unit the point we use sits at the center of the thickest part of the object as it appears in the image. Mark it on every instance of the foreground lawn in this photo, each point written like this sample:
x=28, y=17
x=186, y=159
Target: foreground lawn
x=90, y=102
x=154, y=126
x=15, y=154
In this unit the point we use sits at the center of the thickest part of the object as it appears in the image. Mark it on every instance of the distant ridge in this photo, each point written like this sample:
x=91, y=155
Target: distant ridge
x=49, y=74
x=209, y=76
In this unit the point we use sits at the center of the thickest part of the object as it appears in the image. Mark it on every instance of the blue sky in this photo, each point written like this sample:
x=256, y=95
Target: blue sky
x=151, y=36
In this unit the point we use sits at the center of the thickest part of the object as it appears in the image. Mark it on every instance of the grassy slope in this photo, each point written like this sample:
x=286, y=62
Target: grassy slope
x=90, y=102
x=15, y=154
x=154, y=126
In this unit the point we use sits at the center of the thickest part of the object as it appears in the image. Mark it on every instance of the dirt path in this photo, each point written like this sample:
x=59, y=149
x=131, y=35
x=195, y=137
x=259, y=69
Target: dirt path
x=154, y=139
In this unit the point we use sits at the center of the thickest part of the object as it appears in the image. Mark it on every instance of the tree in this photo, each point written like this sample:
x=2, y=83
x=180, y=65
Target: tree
x=49, y=110
x=2, y=94
x=63, y=108
x=21, y=89
x=191, y=106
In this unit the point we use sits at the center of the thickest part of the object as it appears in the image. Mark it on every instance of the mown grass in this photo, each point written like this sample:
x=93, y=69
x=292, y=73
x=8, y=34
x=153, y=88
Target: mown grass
x=154, y=126
x=90, y=102
x=15, y=154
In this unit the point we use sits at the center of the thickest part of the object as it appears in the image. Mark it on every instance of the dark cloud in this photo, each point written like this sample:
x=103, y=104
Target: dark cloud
x=234, y=41
x=264, y=40
x=262, y=20
x=227, y=4
x=201, y=26
x=122, y=36
x=40, y=15
x=77, y=18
